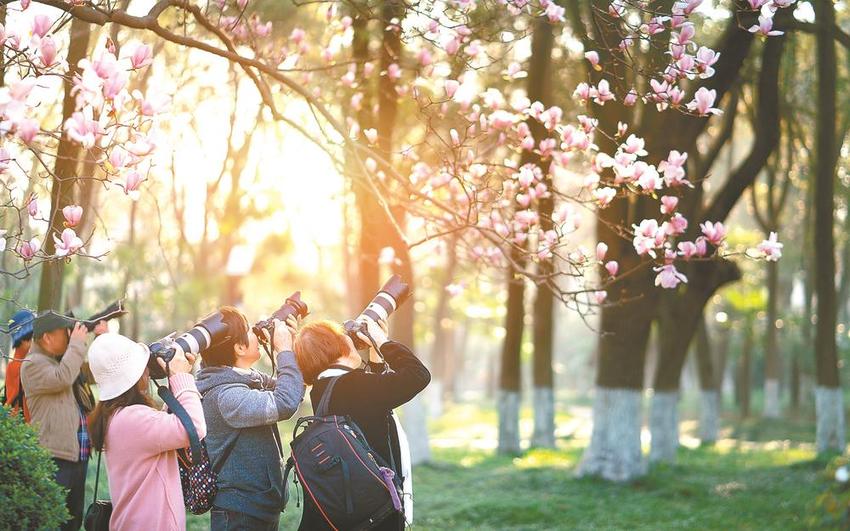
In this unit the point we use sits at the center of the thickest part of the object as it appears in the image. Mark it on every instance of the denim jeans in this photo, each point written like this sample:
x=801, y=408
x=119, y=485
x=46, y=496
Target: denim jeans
x=224, y=520
x=72, y=476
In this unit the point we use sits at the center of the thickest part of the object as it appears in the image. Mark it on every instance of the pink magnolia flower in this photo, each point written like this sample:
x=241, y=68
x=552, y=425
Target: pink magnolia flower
x=600, y=296
x=631, y=98
x=47, y=51
x=73, y=214
x=68, y=244
x=714, y=232
x=668, y=277
x=602, y=93
x=604, y=196
x=394, y=72
x=27, y=250
x=455, y=137
x=27, y=130
x=678, y=224
x=702, y=246
x=770, y=248
x=647, y=176
x=706, y=58
x=81, y=128
x=703, y=101
x=451, y=87
x=582, y=92
x=32, y=206
x=756, y=5
x=297, y=36
x=142, y=56
x=648, y=237
x=687, y=250
x=668, y=204
x=41, y=25
x=371, y=135
x=555, y=13
x=132, y=181
x=634, y=145
x=601, y=249
x=593, y=58
x=765, y=27
x=612, y=267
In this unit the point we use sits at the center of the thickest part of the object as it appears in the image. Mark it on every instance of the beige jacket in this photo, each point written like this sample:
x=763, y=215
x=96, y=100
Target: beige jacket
x=48, y=384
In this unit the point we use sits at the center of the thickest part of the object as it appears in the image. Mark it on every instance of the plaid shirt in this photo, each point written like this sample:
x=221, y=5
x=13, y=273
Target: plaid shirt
x=83, y=437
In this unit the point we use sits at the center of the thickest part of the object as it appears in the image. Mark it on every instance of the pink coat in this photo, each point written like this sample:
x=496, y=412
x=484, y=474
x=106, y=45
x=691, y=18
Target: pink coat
x=141, y=461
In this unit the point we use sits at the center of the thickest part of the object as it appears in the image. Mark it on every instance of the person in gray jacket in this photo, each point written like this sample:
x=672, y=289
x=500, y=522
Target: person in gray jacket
x=242, y=407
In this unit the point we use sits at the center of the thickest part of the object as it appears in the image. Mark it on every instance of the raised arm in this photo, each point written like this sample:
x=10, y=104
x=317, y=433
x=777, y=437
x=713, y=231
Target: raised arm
x=48, y=377
x=242, y=407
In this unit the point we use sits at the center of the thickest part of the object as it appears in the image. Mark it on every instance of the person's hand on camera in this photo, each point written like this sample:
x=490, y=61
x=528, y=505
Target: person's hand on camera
x=179, y=363
x=284, y=333
x=377, y=331
x=101, y=327
x=79, y=332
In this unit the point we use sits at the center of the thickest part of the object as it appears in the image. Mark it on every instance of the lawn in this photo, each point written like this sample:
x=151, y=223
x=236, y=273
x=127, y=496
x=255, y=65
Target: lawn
x=750, y=480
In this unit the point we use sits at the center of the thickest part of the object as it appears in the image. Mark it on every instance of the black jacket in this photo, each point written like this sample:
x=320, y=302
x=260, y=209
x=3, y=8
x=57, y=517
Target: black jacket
x=369, y=398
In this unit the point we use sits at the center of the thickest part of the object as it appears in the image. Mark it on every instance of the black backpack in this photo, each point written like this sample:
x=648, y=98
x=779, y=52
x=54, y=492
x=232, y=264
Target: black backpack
x=350, y=484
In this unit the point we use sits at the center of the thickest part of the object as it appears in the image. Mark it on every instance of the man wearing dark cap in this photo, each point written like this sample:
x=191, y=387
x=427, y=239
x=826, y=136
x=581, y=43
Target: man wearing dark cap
x=48, y=375
x=20, y=328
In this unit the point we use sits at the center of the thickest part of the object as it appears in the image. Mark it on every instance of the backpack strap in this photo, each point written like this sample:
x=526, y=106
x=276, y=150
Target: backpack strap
x=322, y=409
x=183, y=415
x=220, y=463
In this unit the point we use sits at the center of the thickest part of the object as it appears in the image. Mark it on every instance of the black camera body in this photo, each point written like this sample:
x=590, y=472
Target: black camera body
x=211, y=330
x=292, y=306
x=392, y=295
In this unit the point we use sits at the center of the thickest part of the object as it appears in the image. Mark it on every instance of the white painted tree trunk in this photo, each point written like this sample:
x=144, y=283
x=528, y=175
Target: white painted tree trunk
x=544, y=418
x=829, y=407
x=709, y=417
x=771, y=399
x=508, y=422
x=435, y=399
x=415, y=422
x=664, y=427
x=614, y=452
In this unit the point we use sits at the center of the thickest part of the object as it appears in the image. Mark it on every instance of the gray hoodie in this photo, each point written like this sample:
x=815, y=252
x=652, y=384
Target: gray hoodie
x=242, y=409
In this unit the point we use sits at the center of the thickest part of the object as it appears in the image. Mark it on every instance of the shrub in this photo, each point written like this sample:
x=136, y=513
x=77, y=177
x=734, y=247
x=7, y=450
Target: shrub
x=29, y=496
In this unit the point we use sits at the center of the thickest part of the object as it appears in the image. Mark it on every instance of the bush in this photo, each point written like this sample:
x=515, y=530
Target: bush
x=29, y=496
x=832, y=507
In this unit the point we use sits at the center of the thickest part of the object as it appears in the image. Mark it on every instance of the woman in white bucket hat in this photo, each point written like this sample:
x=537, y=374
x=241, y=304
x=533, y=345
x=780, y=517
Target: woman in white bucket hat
x=140, y=442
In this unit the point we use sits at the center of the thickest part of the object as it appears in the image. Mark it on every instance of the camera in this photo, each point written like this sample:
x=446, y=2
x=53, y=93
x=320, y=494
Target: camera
x=292, y=306
x=211, y=330
x=391, y=296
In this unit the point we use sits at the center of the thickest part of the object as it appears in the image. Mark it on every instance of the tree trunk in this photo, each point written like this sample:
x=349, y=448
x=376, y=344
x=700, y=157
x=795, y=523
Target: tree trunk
x=539, y=89
x=65, y=169
x=830, y=411
x=745, y=370
x=509, y=373
x=709, y=422
x=771, y=354
x=443, y=334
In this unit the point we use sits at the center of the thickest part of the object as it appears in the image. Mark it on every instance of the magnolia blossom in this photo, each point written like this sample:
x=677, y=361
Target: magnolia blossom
x=612, y=267
x=770, y=248
x=714, y=232
x=703, y=101
x=648, y=237
x=68, y=244
x=73, y=214
x=27, y=250
x=601, y=250
x=32, y=206
x=668, y=277
x=765, y=27
x=81, y=128
x=371, y=135
x=668, y=204
x=593, y=58
x=600, y=296
x=687, y=250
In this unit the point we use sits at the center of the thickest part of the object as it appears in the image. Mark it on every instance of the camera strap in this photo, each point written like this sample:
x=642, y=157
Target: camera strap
x=180, y=412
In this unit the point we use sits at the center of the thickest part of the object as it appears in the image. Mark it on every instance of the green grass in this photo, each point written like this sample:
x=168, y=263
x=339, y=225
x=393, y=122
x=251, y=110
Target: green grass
x=763, y=476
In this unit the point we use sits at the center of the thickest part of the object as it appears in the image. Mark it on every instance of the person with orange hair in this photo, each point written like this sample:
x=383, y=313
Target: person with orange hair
x=367, y=393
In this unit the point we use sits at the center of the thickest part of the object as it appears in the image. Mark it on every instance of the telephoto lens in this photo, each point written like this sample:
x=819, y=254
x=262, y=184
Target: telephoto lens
x=292, y=306
x=394, y=293
x=211, y=330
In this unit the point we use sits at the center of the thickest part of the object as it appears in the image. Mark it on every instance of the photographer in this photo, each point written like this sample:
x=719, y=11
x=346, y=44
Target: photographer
x=141, y=441
x=323, y=351
x=48, y=375
x=242, y=407
x=20, y=328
